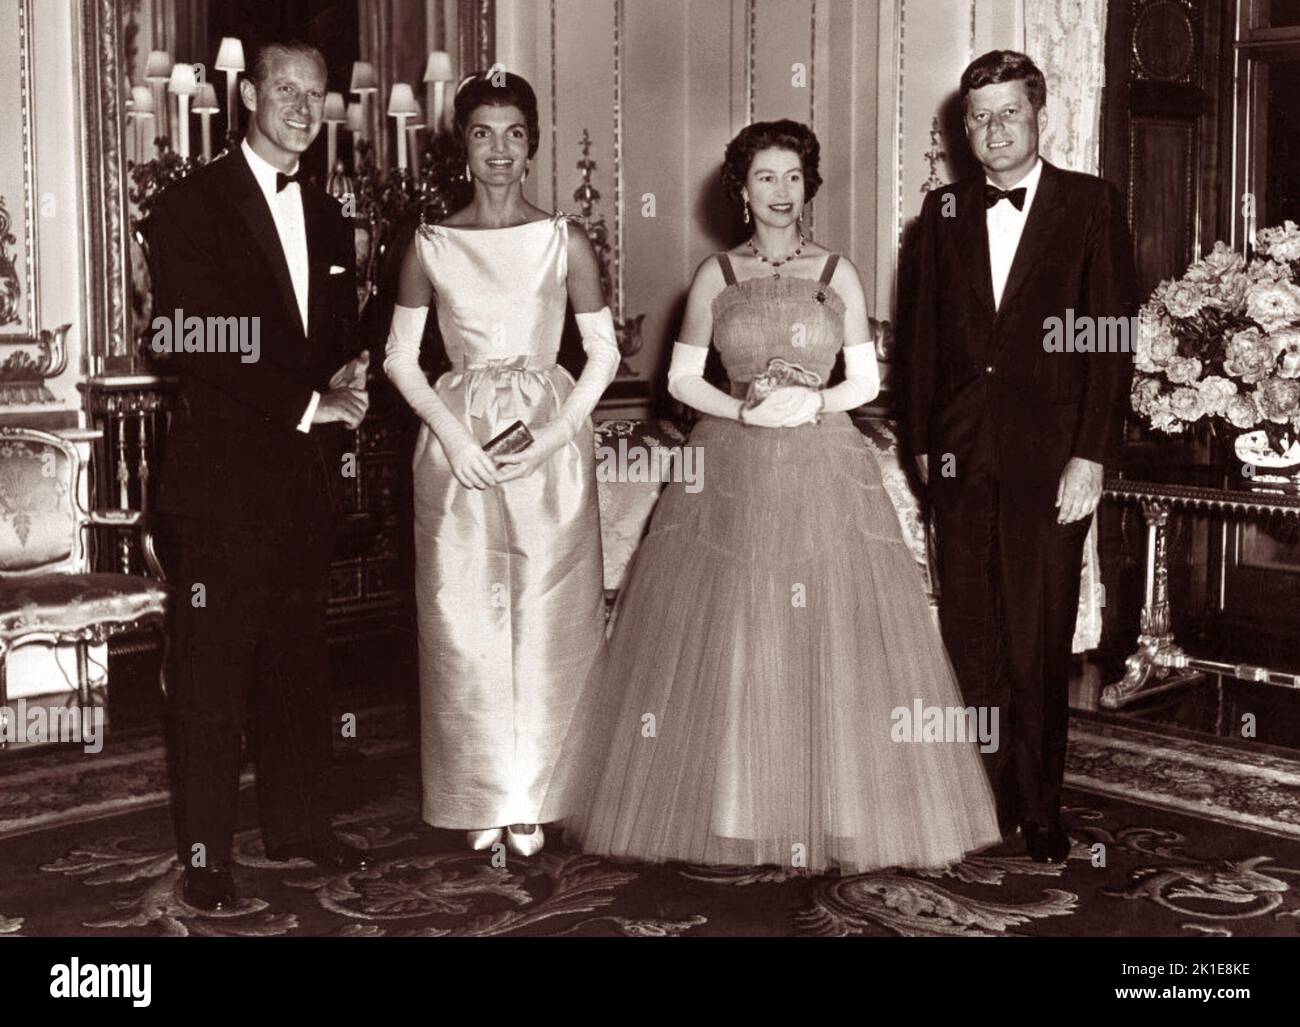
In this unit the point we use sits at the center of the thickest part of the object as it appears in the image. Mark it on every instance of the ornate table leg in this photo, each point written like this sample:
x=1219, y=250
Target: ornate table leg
x=1155, y=666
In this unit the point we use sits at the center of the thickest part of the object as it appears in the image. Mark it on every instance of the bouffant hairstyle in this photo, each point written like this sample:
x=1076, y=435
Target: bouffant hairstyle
x=1005, y=66
x=497, y=88
x=764, y=135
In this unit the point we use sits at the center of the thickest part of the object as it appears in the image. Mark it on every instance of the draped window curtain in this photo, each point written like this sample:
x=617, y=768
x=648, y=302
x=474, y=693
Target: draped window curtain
x=1067, y=39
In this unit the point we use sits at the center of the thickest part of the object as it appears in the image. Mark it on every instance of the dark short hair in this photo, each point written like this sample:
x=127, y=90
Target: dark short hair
x=497, y=89
x=1005, y=66
x=785, y=134
x=263, y=49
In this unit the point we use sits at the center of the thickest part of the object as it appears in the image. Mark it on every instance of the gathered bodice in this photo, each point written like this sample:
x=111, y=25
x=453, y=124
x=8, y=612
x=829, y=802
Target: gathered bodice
x=800, y=320
x=500, y=292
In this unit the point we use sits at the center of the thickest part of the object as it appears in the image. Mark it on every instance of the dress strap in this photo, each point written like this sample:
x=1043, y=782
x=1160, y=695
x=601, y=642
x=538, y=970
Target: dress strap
x=728, y=275
x=828, y=270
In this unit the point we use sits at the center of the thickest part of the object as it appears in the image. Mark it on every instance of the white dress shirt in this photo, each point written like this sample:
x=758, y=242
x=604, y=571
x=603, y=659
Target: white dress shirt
x=1006, y=225
x=291, y=227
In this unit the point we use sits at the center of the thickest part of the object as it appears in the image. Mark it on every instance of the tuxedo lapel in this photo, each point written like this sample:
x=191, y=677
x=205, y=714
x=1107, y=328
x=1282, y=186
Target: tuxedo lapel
x=257, y=215
x=973, y=240
x=1040, y=227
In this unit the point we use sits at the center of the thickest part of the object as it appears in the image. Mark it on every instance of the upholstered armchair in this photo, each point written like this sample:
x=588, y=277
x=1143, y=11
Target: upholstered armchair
x=48, y=595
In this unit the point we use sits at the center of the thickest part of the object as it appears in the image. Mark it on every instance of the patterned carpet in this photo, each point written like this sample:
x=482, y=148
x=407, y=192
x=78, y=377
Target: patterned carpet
x=106, y=866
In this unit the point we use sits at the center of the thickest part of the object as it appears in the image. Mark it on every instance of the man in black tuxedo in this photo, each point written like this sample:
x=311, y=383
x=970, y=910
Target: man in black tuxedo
x=248, y=260
x=1010, y=432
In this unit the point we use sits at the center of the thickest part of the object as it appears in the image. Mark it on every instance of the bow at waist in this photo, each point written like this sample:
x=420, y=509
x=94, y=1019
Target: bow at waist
x=503, y=389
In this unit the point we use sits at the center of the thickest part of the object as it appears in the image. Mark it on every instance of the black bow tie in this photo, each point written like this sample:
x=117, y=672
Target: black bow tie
x=281, y=180
x=992, y=194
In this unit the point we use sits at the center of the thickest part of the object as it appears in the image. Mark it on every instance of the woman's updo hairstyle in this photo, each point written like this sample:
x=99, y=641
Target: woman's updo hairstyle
x=763, y=135
x=496, y=88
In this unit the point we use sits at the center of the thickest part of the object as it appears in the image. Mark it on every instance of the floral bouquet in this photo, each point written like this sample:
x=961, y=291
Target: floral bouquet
x=1222, y=344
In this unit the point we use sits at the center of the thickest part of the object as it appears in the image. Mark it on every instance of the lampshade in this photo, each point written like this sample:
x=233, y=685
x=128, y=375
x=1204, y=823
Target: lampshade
x=142, y=102
x=206, y=102
x=159, y=66
x=183, y=80
x=355, y=118
x=230, y=55
x=401, y=101
x=438, y=68
x=364, y=79
x=335, y=110
x=417, y=119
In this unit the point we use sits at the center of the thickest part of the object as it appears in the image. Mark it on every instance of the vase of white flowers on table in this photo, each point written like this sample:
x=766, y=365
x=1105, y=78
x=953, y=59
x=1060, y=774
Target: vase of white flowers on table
x=1221, y=345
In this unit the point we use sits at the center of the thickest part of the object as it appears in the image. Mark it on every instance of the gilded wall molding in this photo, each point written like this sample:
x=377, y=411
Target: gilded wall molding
x=620, y=25
x=751, y=56
x=105, y=255
x=555, y=116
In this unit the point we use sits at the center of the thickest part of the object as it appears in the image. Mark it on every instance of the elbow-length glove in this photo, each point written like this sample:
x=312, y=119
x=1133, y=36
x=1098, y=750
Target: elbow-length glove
x=601, y=346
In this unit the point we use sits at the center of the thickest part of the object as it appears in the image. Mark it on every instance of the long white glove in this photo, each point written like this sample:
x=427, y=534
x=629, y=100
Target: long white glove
x=601, y=346
x=793, y=405
x=686, y=383
x=861, y=380
x=471, y=466
x=786, y=407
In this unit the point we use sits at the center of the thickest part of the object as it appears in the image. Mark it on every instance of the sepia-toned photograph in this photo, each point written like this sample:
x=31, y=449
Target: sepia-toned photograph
x=668, y=469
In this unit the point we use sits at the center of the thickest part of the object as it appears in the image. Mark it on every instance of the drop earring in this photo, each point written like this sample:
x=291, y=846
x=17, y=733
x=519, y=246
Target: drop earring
x=469, y=175
x=525, y=178
x=745, y=212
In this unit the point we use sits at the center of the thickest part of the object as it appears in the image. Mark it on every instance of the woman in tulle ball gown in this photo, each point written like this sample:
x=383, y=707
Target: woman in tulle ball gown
x=773, y=622
x=508, y=577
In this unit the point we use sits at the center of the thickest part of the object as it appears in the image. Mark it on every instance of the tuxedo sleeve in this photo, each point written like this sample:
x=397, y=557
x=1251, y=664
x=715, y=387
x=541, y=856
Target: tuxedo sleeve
x=918, y=328
x=185, y=262
x=1111, y=283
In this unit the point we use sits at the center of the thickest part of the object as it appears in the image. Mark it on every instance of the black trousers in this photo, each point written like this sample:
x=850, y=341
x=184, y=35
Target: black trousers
x=1009, y=595
x=248, y=662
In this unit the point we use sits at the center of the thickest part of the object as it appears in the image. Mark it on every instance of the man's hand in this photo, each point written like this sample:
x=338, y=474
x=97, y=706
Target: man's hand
x=1079, y=491
x=352, y=375
x=342, y=404
x=923, y=467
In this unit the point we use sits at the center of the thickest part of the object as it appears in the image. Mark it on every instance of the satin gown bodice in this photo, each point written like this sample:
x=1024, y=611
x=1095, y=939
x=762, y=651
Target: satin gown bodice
x=500, y=292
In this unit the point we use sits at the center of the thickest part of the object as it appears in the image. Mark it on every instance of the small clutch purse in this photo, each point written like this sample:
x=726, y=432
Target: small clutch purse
x=779, y=373
x=513, y=440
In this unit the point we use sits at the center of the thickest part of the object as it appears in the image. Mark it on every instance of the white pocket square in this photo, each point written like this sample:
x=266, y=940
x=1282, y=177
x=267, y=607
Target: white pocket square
x=337, y=269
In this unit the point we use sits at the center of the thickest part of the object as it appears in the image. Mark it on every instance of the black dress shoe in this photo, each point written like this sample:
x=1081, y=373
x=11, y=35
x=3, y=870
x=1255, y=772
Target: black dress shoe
x=209, y=888
x=327, y=852
x=1047, y=845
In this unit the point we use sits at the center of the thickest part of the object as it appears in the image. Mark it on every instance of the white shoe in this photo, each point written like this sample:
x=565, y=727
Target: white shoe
x=485, y=839
x=525, y=843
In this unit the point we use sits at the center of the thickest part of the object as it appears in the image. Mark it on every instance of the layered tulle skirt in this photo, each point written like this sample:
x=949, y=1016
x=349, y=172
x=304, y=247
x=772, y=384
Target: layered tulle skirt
x=772, y=626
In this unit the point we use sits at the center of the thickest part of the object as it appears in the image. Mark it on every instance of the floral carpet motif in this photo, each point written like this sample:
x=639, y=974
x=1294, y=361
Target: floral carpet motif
x=1132, y=871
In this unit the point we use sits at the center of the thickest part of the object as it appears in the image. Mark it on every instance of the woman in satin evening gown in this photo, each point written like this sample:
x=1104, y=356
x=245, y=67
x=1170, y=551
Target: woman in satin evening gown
x=509, y=586
x=773, y=620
